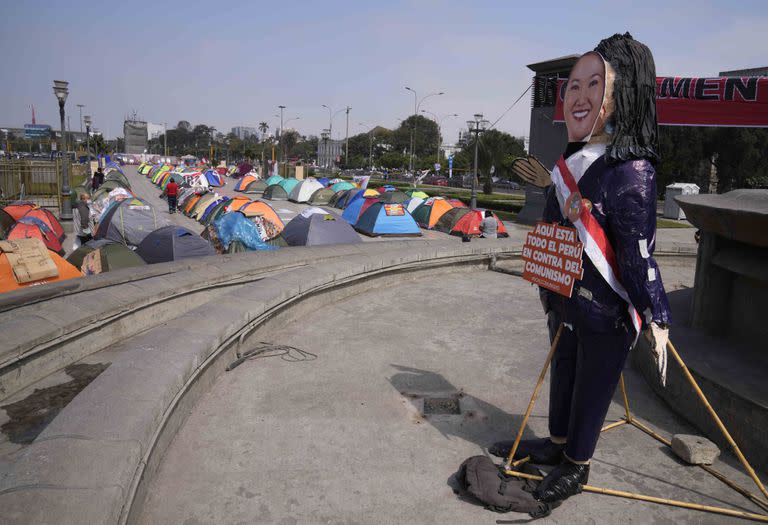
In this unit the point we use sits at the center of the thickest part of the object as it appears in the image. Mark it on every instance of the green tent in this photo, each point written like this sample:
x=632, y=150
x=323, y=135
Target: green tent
x=113, y=256
x=416, y=193
x=116, y=176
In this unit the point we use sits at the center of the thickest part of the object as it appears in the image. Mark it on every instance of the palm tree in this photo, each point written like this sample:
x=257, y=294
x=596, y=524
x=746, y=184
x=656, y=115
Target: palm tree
x=263, y=127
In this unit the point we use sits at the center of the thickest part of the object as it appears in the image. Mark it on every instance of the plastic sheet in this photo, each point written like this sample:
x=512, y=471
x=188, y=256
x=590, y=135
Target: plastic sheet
x=235, y=226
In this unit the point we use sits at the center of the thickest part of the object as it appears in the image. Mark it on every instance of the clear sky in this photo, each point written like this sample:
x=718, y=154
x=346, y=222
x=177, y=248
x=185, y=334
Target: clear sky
x=232, y=63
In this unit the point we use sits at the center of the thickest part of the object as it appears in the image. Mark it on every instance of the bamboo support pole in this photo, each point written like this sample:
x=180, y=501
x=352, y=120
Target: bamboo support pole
x=627, y=413
x=519, y=462
x=717, y=420
x=738, y=488
x=534, y=396
x=653, y=499
x=614, y=425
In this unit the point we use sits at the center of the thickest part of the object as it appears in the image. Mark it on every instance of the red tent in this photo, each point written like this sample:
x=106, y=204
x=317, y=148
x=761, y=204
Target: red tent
x=30, y=231
x=49, y=219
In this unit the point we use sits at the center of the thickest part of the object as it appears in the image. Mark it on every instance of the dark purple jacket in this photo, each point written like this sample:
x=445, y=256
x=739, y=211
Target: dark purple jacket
x=623, y=200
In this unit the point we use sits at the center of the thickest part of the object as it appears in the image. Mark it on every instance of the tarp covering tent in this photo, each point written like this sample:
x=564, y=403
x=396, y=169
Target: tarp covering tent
x=343, y=185
x=109, y=257
x=356, y=208
x=8, y=281
x=35, y=229
x=275, y=192
x=265, y=210
x=173, y=243
x=129, y=221
x=464, y=221
x=321, y=196
x=245, y=181
x=316, y=226
x=302, y=191
x=6, y=223
x=417, y=193
x=235, y=227
x=429, y=212
x=394, y=196
x=243, y=169
x=387, y=219
x=414, y=203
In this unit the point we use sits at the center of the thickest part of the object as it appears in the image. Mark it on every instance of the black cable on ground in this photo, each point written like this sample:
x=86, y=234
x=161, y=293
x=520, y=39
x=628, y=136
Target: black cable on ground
x=264, y=349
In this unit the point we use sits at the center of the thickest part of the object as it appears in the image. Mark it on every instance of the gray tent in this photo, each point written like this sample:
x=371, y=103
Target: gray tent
x=172, y=243
x=129, y=221
x=316, y=226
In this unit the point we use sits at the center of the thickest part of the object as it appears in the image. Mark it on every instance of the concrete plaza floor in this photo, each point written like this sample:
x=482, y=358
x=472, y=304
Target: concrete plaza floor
x=341, y=438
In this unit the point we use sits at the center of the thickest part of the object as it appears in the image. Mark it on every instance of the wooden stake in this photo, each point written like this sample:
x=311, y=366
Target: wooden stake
x=717, y=420
x=535, y=395
x=653, y=499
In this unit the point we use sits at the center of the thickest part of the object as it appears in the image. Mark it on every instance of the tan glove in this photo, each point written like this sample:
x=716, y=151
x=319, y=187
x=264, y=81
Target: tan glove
x=657, y=339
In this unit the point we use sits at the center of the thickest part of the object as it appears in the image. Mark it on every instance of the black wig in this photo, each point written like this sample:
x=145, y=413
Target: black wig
x=635, y=131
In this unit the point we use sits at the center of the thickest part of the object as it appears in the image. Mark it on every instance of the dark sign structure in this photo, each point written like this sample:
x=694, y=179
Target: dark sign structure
x=135, y=133
x=37, y=131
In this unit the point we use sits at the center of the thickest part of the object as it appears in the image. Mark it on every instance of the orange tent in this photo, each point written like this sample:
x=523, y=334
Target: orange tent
x=8, y=281
x=244, y=182
x=19, y=209
x=237, y=203
x=429, y=212
x=191, y=204
x=263, y=209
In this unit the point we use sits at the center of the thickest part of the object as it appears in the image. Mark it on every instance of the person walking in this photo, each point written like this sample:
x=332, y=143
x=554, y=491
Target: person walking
x=488, y=226
x=172, y=192
x=98, y=179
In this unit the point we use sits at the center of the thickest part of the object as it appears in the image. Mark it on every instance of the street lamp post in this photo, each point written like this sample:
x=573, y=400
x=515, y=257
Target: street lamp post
x=439, y=122
x=331, y=116
x=416, y=104
x=476, y=127
x=165, y=137
x=87, y=121
x=61, y=90
x=370, y=142
x=280, y=139
x=346, y=140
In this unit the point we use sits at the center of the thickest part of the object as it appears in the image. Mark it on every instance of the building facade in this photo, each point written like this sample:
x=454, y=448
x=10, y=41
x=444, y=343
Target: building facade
x=135, y=133
x=243, y=132
x=329, y=152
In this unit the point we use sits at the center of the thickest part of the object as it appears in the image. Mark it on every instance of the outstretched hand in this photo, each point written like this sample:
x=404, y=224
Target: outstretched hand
x=657, y=339
x=532, y=171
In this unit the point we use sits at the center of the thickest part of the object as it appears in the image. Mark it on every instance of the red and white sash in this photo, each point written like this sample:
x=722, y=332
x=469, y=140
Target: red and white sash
x=566, y=176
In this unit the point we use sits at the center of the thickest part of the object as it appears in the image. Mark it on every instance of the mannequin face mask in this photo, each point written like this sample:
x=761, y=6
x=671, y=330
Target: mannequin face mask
x=585, y=97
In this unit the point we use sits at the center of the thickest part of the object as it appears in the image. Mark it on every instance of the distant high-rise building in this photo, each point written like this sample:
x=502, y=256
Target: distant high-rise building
x=135, y=133
x=243, y=132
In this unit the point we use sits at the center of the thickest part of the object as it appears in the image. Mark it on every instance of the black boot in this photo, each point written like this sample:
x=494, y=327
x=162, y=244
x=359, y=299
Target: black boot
x=541, y=450
x=564, y=481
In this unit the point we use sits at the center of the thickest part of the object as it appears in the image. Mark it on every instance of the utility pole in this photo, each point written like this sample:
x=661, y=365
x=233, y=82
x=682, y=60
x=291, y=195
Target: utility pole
x=346, y=140
x=476, y=127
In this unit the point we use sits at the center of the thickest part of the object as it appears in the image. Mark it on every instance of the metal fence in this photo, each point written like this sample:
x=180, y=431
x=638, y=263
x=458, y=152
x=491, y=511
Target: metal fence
x=37, y=181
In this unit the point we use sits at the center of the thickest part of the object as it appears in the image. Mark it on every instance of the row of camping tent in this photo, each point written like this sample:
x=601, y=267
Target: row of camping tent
x=309, y=190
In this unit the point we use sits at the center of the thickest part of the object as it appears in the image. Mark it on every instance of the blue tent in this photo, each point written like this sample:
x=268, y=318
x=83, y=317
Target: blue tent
x=214, y=179
x=325, y=181
x=352, y=211
x=210, y=208
x=387, y=219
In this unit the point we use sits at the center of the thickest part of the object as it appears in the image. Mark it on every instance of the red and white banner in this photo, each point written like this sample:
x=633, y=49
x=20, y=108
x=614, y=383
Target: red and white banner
x=723, y=101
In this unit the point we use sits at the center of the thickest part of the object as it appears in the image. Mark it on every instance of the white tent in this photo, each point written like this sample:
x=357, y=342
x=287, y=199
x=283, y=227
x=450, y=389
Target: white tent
x=414, y=203
x=304, y=190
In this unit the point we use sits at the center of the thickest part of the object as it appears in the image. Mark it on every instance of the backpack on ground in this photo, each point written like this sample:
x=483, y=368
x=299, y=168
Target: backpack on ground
x=483, y=482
